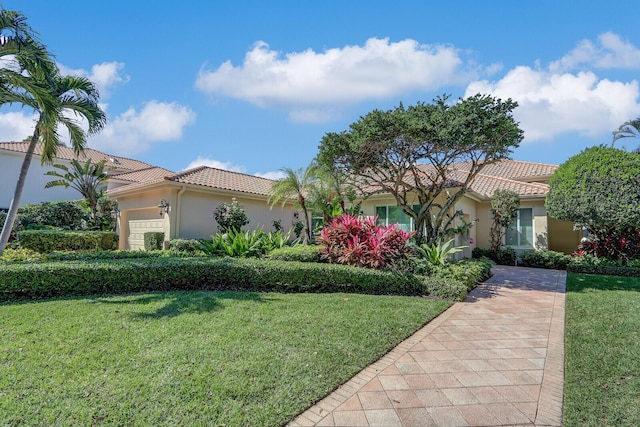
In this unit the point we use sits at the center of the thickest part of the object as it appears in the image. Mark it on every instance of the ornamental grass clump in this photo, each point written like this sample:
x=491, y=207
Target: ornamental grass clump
x=360, y=242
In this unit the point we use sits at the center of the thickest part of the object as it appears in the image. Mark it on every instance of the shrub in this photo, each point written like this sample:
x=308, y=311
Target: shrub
x=360, y=242
x=237, y=243
x=437, y=254
x=185, y=245
x=230, y=216
x=612, y=247
x=45, y=241
x=591, y=264
x=67, y=278
x=66, y=215
x=545, y=259
x=301, y=253
x=153, y=240
x=20, y=255
x=504, y=256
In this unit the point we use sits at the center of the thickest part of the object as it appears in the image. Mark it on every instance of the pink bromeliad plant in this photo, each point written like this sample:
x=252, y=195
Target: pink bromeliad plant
x=360, y=242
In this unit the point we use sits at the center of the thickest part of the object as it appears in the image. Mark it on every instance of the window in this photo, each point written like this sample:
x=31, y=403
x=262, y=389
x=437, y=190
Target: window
x=395, y=215
x=520, y=233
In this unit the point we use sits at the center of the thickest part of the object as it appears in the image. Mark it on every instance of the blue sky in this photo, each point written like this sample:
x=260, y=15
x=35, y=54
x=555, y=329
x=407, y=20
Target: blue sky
x=253, y=86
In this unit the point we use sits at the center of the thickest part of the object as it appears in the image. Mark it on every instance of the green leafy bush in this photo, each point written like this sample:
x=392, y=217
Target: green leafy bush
x=590, y=264
x=46, y=241
x=20, y=255
x=238, y=243
x=185, y=245
x=153, y=240
x=545, y=259
x=504, y=256
x=301, y=253
x=438, y=253
x=66, y=278
x=230, y=216
x=65, y=215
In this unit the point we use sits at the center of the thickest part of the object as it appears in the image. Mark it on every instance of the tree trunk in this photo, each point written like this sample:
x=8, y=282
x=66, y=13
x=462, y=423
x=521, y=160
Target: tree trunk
x=17, y=194
x=307, y=228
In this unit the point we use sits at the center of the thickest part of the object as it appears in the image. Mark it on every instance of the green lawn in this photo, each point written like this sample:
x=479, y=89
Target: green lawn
x=191, y=358
x=602, y=383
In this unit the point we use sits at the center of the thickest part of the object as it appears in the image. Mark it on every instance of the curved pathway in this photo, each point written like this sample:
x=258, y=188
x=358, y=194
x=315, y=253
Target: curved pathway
x=495, y=359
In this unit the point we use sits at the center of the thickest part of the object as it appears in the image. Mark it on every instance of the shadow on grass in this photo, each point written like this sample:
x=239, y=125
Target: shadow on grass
x=580, y=282
x=177, y=303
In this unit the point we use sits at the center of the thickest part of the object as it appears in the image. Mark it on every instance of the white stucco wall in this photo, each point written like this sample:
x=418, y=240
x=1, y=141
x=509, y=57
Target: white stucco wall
x=34, y=191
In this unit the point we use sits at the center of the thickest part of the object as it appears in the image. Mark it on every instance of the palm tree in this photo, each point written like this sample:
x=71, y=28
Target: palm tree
x=629, y=129
x=26, y=63
x=87, y=178
x=295, y=185
x=73, y=99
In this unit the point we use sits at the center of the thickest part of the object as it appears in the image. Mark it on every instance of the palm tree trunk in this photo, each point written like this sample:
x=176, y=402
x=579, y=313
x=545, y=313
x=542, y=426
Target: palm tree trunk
x=307, y=227
x=17, y=194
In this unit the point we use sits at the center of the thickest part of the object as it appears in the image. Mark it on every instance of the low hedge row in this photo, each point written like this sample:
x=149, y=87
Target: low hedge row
x=46, y=241
x=70, y=278
x=545, y=259
x=302, y=253
x=608, y=270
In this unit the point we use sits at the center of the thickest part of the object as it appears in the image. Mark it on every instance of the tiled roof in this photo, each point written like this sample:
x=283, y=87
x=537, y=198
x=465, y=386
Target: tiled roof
x=225, y=180
x=515, y=169
x=143, y=175
x=66, y=153
x=486, y=185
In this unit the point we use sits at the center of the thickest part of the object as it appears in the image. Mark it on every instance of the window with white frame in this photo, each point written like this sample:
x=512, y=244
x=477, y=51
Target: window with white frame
x=520, y=233
x=395, y=215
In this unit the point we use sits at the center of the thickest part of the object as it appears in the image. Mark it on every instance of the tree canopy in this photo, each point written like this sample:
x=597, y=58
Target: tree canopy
x=598, y=189
x=423, y=152
x=504, y=208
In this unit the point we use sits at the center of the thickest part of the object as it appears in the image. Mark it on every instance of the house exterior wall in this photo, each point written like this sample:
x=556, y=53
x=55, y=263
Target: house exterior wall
x=562, y=236
x=34, y=191
x=190, y=213
x=540, y=226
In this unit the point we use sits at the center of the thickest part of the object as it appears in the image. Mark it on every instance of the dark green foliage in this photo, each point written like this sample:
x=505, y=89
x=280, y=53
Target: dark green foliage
x=598, y=189
x=545, y=259
x=504, y=256
x=301, y=253
x=66, y=215
x=153, y=240
x=45, y=241
x=65, y=278
x=590, y=264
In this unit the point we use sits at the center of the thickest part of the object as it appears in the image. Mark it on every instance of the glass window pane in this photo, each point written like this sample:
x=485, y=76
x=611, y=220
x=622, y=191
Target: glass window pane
x=381, y=213
x=526, y=227
x=397, y=216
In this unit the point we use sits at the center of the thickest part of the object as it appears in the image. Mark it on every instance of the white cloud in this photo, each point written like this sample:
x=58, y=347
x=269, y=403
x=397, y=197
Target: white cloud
x=104, y=75
x=308, y=82
x=272, y=175
x=551, y=104
x=555, y=100
x=609, y=52
x=213, y=163
x=16, y=125
x=134, y=131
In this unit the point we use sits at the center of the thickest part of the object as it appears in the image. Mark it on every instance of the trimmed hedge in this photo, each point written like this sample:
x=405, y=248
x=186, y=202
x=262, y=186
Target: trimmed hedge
x=545, y=259
x=302, y=253
x=185, y=245
x=504, y=256
x=67, y=278
x=45, y=241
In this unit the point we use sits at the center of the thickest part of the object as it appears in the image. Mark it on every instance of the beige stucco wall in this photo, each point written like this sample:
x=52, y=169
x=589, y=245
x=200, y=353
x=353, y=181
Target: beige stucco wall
x=190, y=213
x=562, y=236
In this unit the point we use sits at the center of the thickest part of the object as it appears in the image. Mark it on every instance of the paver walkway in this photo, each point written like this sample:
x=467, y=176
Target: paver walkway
x=496, y=359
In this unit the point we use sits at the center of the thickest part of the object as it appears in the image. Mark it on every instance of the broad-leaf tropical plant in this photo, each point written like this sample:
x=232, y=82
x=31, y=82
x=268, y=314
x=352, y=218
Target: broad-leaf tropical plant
x=74, y=100
x=88, y=178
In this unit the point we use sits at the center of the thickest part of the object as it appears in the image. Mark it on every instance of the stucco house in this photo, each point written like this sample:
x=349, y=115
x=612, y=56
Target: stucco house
x=11, y=158
x=532, y=229
x=181, y=205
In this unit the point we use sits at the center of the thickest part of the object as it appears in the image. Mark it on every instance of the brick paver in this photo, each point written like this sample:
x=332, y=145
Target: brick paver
x=495, y=359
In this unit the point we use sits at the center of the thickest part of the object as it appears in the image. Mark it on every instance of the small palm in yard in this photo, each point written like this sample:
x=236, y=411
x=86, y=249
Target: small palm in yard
x=88, y=178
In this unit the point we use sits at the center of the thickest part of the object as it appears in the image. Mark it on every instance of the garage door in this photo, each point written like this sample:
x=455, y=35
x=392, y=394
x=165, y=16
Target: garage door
x=137, y=228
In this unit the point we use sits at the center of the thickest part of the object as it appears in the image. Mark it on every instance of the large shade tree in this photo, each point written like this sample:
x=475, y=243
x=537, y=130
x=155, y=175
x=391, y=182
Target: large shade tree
x=599, y=190
x=427, y=154
x=69, y=102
